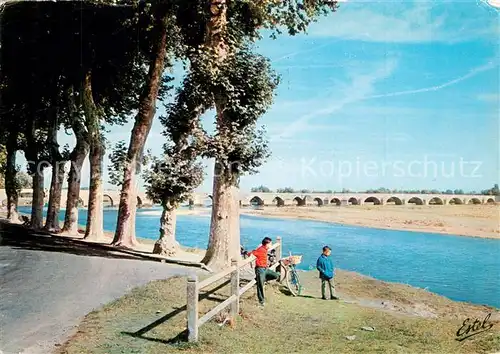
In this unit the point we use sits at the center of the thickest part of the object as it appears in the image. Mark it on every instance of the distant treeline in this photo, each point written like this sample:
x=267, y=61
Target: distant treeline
x=491, y=191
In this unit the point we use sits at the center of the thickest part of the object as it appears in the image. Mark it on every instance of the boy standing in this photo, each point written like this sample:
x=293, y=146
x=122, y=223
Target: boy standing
x=262, y=272
x=326, y=273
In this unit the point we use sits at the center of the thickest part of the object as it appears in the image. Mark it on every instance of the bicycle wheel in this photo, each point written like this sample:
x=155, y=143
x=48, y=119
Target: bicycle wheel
x=292, y=281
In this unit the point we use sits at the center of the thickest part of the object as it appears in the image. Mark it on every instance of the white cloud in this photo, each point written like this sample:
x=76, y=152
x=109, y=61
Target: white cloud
x=401, y=22
x=361, y=86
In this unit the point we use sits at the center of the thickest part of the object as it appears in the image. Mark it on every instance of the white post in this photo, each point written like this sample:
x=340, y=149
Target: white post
x=279, y=255
x=279, y=250
x=235, y=289
x=192, y=308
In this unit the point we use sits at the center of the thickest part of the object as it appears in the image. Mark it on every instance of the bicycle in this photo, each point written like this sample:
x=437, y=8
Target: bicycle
x=291, y=275
x=286, y=267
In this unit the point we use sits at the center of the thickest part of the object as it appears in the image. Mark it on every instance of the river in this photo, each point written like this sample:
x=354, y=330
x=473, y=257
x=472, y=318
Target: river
x=460, y=268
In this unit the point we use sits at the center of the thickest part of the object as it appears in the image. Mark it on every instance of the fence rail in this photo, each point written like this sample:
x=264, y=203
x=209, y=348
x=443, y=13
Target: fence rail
x=194, y=286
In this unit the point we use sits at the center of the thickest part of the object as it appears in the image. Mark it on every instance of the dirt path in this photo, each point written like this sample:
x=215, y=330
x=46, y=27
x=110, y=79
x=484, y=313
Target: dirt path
x=44, y=293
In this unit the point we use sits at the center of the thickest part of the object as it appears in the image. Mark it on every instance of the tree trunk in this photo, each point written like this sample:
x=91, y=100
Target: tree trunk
x=95, y=217
x=52, y=220
x=38, y=200
x=74, y=179
x=166, y=244
x=77, y=158
x=125, y=229
x=95, y=222
x=10, y=183
x=224, y=240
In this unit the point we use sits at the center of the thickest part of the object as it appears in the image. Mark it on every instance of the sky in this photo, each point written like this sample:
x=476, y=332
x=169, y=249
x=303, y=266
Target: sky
x=402, y=95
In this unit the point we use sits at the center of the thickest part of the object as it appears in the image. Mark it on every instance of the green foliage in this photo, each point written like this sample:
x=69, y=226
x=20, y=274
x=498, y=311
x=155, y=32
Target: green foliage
x=23, y=180
x=246, y=87
x=3, y=163
x=492, y=191
x=172, y=178
x=285, y=190
x=261, y=189
x=118, y=157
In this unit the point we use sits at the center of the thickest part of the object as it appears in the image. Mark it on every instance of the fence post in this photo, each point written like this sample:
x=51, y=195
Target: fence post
x=279, y=250
x=279, y=255
x=192, y=308
x=235, y=289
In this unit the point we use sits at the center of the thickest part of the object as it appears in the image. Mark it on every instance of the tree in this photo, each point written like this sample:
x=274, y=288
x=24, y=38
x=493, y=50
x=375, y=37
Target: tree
x=3, y=164
x=162, y=32
x=58, y=160
x=261, y=189
x=458, y=191
x=76, y=157
x=118, y=157
x=23, y=181
x=285, y=190
x=246, y=87
x=448, y=191
x=491, y=191
x=169, y=182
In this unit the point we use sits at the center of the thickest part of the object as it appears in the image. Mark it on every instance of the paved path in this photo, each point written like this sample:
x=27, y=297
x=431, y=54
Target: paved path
x=45, y=288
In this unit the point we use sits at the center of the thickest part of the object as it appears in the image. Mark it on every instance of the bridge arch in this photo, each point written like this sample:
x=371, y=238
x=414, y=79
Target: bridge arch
x=256, y=201
x=299, y=201
x=490, y=201
x=107, y=201
x=436, y=201
x=352, y=201
x=416, y=201
x=373, y=200
x=336, y=201
x=455, y=201
x=394, y=201
x=474, y=201
x=278, y=201
x=319, y=201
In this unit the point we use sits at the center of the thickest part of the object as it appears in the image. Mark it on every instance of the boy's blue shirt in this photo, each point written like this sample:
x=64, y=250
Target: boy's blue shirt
x=325, y=266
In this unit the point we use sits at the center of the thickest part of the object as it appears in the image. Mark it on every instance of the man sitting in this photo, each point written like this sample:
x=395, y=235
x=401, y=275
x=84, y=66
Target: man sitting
x=262, y=272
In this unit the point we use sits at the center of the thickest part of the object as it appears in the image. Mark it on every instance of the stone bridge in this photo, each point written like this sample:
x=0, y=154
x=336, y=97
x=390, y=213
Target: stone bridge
x=112, y=198
x=320, y=199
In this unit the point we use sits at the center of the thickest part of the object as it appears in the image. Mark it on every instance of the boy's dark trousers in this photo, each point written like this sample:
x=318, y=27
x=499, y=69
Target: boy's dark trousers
x=331, y=286
x=261, y=275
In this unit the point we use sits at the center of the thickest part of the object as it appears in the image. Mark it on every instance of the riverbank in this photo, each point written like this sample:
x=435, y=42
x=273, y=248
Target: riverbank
x=462, y=220
x=400, y=319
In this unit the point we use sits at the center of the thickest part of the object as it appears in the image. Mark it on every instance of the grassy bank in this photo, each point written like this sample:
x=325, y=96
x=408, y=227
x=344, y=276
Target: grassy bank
x=152, y=319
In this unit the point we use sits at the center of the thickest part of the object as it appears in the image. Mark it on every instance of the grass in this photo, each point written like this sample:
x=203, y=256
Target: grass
x=152, y=319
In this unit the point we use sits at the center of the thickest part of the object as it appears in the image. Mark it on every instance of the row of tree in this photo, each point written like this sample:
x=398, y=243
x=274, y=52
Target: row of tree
x=492, y=191
x=84, y=66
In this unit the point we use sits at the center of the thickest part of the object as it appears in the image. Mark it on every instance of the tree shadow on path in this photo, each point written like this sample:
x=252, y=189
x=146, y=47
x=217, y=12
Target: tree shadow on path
x=19, y=237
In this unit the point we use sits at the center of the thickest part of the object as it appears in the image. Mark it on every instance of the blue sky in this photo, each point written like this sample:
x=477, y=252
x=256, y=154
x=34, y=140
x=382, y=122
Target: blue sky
x=380, y=94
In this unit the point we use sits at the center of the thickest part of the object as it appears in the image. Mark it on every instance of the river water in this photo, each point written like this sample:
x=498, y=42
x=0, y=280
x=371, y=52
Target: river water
x=460, y=268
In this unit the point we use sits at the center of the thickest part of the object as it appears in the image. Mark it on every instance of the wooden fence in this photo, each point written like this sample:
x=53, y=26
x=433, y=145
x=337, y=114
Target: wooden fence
x=194, y=286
